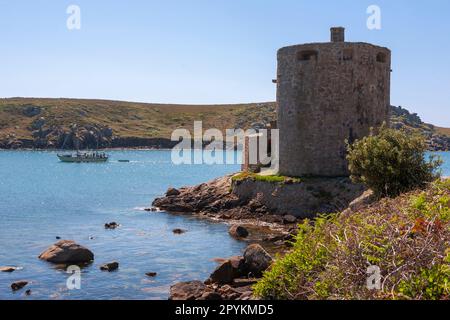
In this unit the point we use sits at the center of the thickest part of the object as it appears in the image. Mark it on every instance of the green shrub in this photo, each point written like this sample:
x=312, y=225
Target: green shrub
x=408, y=238
x=391, y=162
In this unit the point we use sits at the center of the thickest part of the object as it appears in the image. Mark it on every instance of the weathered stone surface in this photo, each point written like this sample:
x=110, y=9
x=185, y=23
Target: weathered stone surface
x=327, y=93
x=15, y=286
x=367, y=198
x=111, y=266
x=289, y=219
x=172, y=192
x=228, y=270
x=32, y=111
x=302, y=200
x=238, y=231
x=8, y=269
x=256, y=259
x=190, y=290
x=210, y=296
x=66, y=251
x=244, y=282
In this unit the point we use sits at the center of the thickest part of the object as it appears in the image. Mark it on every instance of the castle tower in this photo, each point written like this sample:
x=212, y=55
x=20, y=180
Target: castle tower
x=328, y=93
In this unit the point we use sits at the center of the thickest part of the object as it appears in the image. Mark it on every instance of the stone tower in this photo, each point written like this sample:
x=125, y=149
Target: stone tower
x=328, y=93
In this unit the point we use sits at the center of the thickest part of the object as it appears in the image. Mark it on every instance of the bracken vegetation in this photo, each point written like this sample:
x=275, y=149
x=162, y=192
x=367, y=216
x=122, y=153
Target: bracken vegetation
x=408, y=238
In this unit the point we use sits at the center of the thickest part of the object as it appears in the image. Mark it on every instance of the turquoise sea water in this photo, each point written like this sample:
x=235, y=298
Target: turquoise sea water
x=42, y=198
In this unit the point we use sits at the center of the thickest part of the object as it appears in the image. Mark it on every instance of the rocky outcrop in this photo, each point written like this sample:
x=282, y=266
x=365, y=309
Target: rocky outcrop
x=256, y=260
x=232, y=279
x=228, y=270
x=270, y=202
x=66, y=251
x=238, y=232
x=367, y=198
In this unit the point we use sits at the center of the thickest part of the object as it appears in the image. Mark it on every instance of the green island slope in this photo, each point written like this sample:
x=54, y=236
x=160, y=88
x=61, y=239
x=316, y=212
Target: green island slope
x=81, y=123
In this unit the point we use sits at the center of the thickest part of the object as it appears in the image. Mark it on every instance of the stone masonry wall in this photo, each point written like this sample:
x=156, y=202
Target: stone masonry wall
x=327, y=93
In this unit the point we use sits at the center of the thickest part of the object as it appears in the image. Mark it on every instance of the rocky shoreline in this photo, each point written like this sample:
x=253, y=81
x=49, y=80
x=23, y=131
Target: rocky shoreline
x=249, y=209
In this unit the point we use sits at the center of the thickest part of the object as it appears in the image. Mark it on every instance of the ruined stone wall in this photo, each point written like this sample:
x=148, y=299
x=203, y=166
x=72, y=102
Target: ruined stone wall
x=327, y=93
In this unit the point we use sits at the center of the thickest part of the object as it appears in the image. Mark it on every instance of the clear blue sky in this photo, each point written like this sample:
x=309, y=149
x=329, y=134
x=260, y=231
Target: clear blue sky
x=211, y=51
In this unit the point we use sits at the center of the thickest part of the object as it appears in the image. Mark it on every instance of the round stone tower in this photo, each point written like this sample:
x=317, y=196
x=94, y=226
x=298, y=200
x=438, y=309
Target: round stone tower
x=328, y=93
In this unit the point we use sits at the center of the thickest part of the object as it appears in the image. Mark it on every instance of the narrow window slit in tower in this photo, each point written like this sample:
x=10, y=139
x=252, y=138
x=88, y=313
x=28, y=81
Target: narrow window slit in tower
x=347, y=55
x=381, y=57
x=307, y=55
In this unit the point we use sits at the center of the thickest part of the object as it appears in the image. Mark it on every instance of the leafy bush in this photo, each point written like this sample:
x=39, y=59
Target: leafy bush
x=408, y=238
x=391, y=162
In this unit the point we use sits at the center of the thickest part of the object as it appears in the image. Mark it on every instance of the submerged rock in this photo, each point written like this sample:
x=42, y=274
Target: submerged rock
x=256, y=259
x=67, y=251
x=112, y=266
x=111, y=225
x=151, y=274
x=238, y=231
x=179, y=231
x=190, y=290
x=8, y=269
x=15, y=286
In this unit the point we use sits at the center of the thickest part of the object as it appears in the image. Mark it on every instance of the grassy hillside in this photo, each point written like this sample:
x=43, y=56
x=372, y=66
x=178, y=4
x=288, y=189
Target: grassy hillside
x=126, y=119
x=78, y=123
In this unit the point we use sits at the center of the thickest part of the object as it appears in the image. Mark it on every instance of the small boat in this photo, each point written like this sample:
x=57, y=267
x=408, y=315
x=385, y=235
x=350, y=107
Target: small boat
x=84, y=157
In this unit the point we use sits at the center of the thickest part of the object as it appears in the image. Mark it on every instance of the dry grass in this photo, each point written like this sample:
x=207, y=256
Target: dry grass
x=129, y=119
x=443, y=131
x=408, y=238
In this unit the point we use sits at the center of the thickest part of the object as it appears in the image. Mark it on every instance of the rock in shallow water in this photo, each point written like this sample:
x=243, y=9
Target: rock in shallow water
x=67, y=251
x=15, y=286
x=111, y=225
x=8, y=269
x=238, y=231
x=151, y=274
x=227, y=271
x=112, y=266
x=178, y=231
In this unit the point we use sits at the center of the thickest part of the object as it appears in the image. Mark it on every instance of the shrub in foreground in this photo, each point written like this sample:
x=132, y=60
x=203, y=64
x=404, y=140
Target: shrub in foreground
x=391, y=162
x=408, y=238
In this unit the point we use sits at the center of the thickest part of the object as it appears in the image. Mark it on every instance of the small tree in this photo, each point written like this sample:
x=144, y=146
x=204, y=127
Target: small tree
x=391, y=162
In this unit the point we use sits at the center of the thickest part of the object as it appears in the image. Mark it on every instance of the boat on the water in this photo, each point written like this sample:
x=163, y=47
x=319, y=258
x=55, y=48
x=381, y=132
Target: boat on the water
x=79, y=157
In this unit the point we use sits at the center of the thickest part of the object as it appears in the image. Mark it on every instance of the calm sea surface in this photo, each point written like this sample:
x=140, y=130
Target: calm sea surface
x=42, y=198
